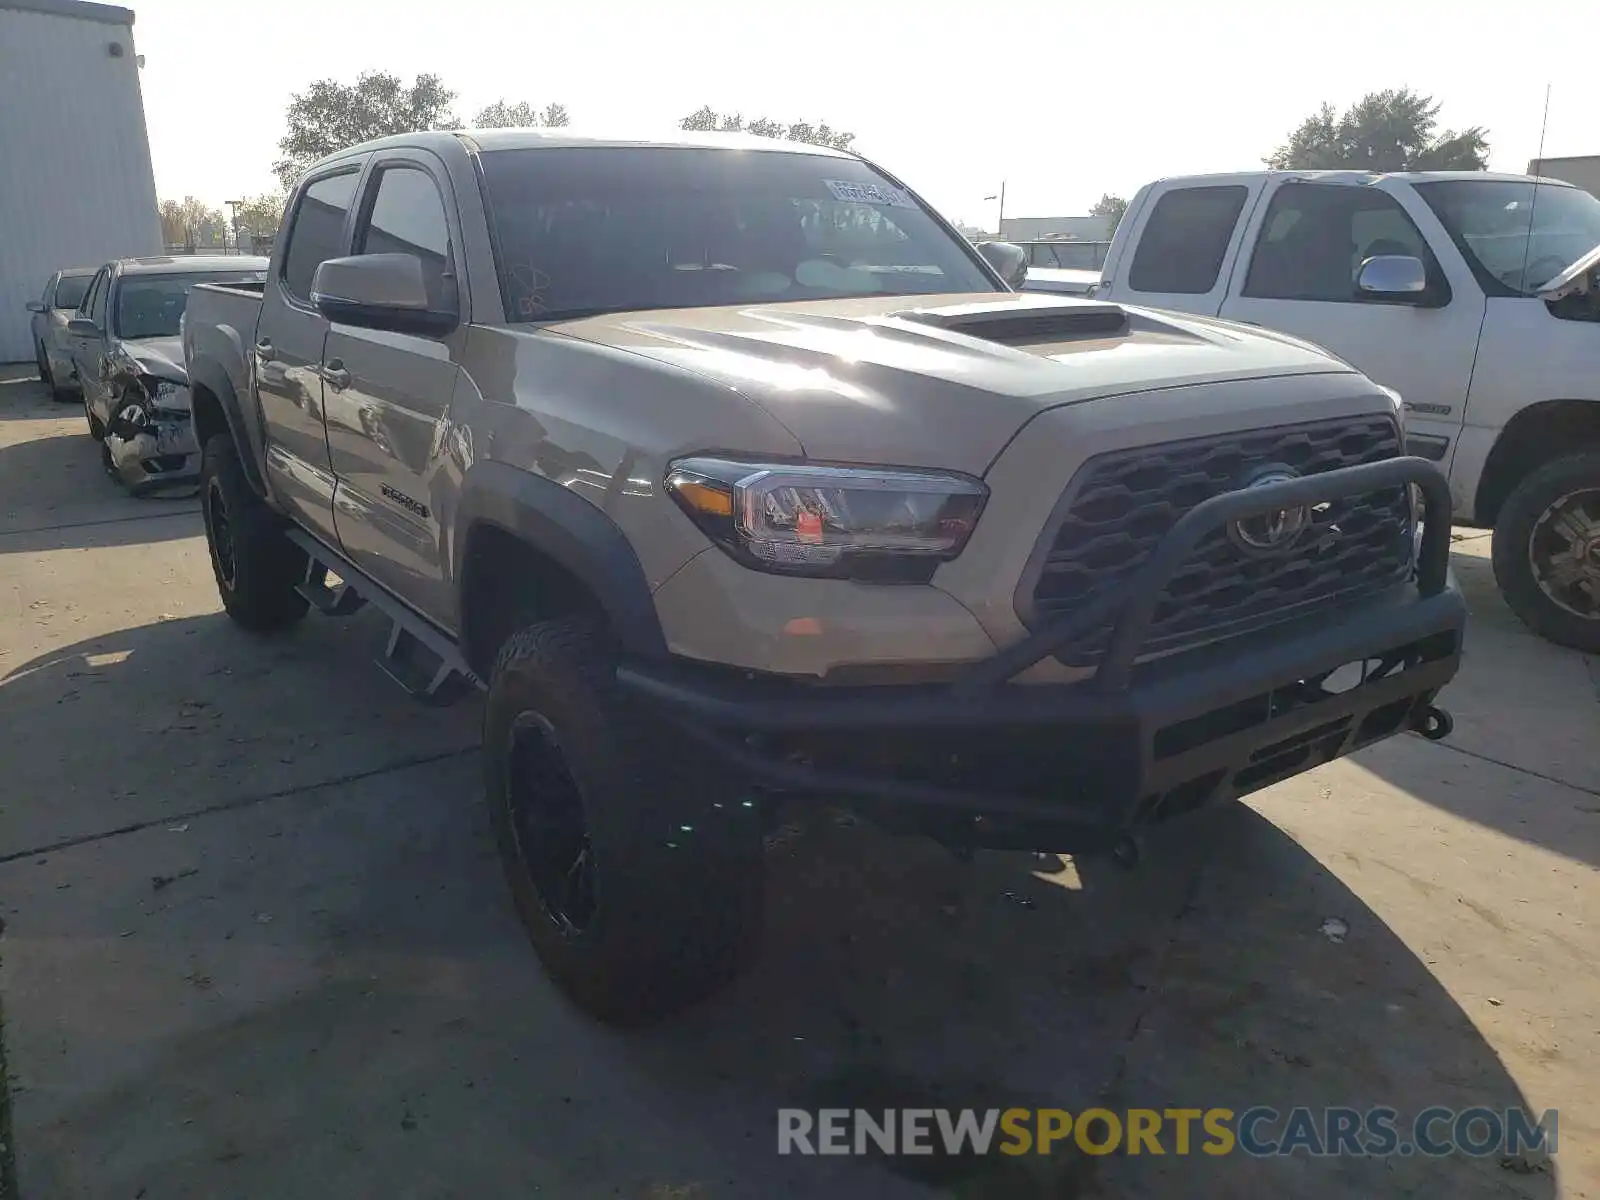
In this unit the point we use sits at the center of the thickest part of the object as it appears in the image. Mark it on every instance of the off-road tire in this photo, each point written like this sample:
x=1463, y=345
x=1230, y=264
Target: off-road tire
x=256, y=567
x=677, y=882
x=1513, y=530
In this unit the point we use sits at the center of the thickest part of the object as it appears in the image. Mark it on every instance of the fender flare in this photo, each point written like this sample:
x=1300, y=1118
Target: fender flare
x=572, y=532
x=208, y=374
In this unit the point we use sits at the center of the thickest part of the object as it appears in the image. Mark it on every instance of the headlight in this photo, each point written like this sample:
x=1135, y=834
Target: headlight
x=169, y=397
x=876, y=524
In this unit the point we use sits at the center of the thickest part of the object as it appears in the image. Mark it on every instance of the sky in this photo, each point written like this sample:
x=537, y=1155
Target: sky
x=1061, y=101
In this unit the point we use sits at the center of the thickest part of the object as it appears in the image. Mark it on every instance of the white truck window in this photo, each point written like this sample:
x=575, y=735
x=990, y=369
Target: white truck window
x=407, y=217
x=1316, y=236
x=316, y=232
x=1182, y=245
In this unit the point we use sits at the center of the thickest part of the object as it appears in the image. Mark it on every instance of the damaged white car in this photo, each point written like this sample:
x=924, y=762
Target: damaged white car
x=128, y=354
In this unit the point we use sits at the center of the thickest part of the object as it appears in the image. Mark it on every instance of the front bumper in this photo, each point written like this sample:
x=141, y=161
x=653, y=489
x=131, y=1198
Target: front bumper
x=149, y=450
x=1077, y=767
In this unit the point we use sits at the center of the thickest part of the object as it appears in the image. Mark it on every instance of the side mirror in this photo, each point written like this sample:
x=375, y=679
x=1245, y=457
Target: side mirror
x=37, y=306
x=379, y=291
x=1393, y=279
x=83, y=327
x=1009, y=261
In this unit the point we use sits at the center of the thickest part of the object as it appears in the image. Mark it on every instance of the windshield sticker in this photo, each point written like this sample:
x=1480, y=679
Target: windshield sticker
x=869, y=193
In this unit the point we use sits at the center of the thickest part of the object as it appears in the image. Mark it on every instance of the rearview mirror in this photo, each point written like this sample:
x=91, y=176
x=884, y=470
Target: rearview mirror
x=1009, y=261
x=1395, y=278
x=83, y=327
x=36, y=306
x=379, y=291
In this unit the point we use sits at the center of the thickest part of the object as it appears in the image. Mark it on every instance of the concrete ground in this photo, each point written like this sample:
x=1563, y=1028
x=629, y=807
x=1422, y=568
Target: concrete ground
x=256, y=943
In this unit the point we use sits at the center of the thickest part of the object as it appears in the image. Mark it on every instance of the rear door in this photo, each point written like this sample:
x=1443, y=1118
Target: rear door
x=388, y=394
x=1299, y=276
x=288, y=349
x=1185, y=238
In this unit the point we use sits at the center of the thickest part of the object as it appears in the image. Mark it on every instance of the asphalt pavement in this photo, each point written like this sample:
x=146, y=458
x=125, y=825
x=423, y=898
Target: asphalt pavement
x=256, y=944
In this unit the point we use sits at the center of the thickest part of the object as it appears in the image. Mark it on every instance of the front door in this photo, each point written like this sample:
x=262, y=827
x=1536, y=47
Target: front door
x=288, y=351
x=388, y=394
x=85, y=349
x=1300, y=278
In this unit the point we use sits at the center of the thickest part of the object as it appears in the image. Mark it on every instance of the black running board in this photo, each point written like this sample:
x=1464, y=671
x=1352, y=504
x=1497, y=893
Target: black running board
x=420, y=657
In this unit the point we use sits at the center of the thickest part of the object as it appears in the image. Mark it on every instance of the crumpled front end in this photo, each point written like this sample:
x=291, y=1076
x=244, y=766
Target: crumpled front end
x=150, y=444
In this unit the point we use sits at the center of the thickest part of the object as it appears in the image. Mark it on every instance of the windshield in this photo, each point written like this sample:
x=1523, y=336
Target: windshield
x=70, y=290
x=607, y=229
x=1490, y=221
x=150, y=306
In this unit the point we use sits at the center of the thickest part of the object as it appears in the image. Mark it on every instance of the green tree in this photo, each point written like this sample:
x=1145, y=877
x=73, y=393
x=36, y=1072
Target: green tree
x=705, y=118
x=191, y=223
x=520, y=115
x=261, y=215
x=330, y=115
x=1111, y=208
x=1393, y=130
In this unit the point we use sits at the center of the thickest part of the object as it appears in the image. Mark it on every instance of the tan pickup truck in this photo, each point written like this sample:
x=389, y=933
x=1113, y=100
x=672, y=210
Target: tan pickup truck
x=741, y=481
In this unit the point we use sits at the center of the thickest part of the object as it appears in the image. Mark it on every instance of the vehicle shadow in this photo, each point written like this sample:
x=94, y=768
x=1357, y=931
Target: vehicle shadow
x=55, y=495
x=1527, y=715
x=327, y=993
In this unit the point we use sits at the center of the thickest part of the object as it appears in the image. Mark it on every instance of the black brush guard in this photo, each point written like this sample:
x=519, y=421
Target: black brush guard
x=1081, y=766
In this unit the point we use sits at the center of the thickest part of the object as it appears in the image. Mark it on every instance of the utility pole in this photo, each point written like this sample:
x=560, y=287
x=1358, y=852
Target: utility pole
x=1000, y=229
x=235, y=205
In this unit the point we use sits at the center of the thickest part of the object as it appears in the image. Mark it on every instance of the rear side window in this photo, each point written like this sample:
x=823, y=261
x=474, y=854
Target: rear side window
x=317, y=231
x=1185, y=240
x=70, y=291
x=407, y=217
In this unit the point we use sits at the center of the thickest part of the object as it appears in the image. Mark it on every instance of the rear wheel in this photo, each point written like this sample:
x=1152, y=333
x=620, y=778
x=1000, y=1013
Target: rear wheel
x=48, y=378
x=257, y=568
x=639, y=895
x=1547, y=551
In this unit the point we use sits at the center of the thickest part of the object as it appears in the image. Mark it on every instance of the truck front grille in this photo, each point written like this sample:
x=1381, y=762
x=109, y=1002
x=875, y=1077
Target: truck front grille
x=1122, y=503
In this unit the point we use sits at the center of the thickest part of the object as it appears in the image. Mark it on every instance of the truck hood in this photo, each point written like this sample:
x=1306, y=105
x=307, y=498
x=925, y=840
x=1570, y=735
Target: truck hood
x=161, y=357
x=940, y=381
x=1566, y=281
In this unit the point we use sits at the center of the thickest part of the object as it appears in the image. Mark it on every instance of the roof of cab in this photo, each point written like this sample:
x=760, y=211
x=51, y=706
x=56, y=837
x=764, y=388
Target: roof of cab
x=1368, y=177
x=184, y=264
x=566, y=136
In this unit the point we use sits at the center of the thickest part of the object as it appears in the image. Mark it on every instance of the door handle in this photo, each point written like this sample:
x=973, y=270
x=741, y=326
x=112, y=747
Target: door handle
x=264, y=349
x=335, y=376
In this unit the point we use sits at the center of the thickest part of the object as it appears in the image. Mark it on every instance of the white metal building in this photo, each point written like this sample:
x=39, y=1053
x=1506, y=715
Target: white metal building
x=76, y=187
x=1581, y=172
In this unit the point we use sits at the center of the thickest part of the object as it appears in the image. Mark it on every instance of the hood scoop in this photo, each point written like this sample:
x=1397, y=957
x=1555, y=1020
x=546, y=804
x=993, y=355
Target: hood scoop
x=1010, y=324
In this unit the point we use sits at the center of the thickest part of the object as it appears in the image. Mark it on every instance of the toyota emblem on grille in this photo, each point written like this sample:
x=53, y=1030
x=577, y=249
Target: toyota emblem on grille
x=1270, y=532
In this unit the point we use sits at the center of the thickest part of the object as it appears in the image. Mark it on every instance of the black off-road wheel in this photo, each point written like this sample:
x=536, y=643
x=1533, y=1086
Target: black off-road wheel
x=1547, y=551
x=639, y=885
x=256, y=566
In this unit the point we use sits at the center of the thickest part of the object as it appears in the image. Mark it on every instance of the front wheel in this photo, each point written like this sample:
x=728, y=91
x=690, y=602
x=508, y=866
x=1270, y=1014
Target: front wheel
x=1547, y=551
x=640, y=890
x=257, y=568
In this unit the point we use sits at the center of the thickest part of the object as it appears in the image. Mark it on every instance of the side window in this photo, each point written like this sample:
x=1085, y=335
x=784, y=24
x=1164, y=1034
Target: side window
x=97, y=303
x=316, y=231
x=1316, y=236
x=1185, y=240
x=49, y=297
x=86, y=305
x=406, y=216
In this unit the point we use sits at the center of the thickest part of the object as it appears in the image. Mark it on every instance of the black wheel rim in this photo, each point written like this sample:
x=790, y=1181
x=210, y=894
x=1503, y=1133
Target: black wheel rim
x=221, y=533
x=549, y=825
x=1564, y=552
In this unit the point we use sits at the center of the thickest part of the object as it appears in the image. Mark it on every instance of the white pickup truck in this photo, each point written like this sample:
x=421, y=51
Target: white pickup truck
x=1473, y=295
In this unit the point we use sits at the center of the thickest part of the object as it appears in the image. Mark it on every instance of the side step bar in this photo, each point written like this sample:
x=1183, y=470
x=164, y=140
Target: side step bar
x=420, y=657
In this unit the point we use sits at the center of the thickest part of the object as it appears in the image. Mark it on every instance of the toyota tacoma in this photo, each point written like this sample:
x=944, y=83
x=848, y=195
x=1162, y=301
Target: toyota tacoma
x=740, y=481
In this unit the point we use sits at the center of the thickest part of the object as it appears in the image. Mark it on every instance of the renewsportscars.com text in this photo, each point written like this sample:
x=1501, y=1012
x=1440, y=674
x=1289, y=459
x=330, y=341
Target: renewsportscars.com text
x=1259, y=1132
